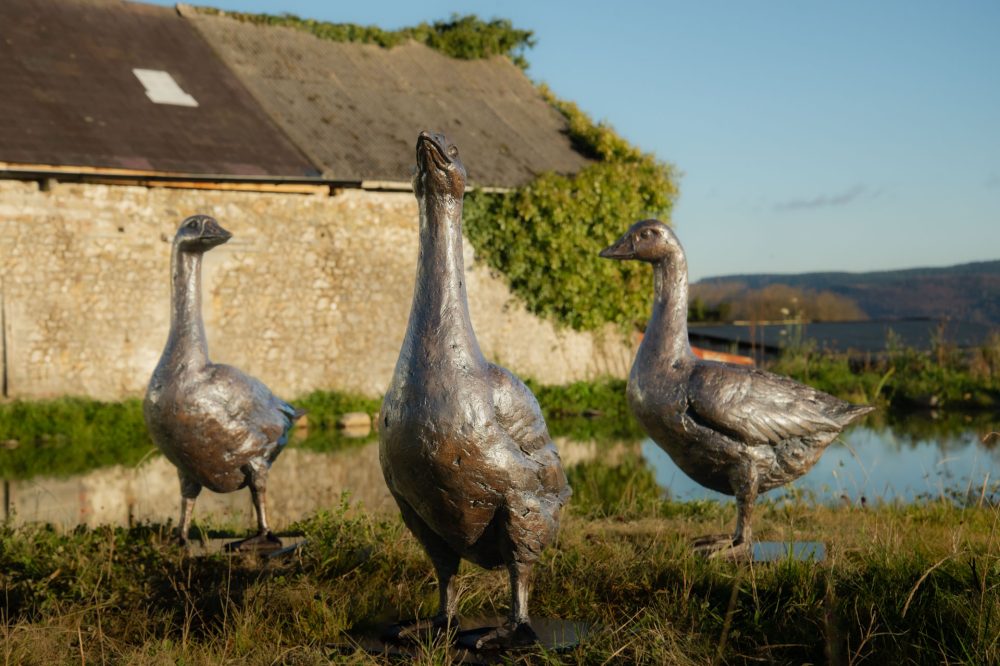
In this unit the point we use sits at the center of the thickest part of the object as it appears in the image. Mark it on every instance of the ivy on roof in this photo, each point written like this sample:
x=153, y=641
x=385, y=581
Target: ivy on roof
x=467, y=37
x=544, y=237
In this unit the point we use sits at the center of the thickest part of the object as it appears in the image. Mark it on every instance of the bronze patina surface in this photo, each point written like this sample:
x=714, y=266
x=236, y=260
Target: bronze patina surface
x=736, y=430
x=463, y=445
x=220, y=427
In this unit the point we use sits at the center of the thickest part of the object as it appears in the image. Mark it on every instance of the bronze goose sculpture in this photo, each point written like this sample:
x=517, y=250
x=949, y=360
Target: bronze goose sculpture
x=736, y=430
x=221, y=428
x=463, y=445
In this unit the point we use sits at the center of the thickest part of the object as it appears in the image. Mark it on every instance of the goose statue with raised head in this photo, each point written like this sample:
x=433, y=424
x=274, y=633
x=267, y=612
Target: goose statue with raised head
x=462, y=442
x=221, y=428
x=737, y=430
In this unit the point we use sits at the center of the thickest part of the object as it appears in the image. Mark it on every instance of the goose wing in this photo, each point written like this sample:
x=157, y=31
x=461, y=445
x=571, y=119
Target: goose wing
x=519, y=416
x=759, y=407
x=248, y=409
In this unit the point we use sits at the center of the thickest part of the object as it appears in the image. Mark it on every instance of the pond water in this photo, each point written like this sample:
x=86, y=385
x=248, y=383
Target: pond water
x=871, y=464
x=901, y=463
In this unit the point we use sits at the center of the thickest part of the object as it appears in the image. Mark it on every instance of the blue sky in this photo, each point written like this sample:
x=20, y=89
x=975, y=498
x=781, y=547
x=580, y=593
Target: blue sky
x=811, y=136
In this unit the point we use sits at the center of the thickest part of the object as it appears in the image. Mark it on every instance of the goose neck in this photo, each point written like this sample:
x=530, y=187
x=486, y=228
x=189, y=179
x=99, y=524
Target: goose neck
x=440, y=305
x=187, y=330
x=667, y=332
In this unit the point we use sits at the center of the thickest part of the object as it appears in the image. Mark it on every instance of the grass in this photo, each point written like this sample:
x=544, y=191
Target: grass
x=913, y=584
x=905, y=379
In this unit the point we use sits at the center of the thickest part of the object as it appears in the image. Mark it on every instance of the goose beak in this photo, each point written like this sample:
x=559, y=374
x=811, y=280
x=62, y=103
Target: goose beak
x=214, y=234
x=622, y=249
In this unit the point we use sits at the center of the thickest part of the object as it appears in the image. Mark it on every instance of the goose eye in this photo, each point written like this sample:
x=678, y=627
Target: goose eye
x=453, y=151
x=193, y=224
x=645, y=234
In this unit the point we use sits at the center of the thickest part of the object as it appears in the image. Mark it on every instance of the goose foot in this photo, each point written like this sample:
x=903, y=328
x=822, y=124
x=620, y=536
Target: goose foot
x=721, y=547
x=264, y=542
x=183, y=541
x=418, y=631
x=505, y=637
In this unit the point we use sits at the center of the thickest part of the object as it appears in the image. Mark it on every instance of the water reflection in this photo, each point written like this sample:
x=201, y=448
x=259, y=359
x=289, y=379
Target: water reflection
x=301, y=482
x=875, y=464
x=905, y=462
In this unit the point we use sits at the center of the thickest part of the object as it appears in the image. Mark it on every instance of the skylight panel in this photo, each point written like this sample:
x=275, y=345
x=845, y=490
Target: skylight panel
x=162, y=89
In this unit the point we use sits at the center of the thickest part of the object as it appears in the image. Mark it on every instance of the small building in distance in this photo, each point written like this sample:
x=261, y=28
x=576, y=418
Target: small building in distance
x=121, y=119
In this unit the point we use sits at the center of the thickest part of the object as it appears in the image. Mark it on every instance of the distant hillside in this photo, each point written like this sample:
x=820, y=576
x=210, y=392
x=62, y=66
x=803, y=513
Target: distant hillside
x=967, y=292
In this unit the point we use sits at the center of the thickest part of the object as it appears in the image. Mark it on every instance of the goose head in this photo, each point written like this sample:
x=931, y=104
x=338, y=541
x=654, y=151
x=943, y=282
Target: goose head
x=440, y=171
x=651, y=241
x=200, y=233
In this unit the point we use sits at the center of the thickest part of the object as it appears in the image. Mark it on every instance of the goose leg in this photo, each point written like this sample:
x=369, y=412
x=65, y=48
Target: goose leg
x=744, y=480
x=744, y=511
x=746, y=495
x=190, y=489
x=517, y=632
x=445, y=562
x=264, y=541
x=446, y=566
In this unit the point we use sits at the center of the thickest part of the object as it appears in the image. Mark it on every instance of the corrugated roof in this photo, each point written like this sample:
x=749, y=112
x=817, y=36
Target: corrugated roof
x=356, y=109
x=70, y=96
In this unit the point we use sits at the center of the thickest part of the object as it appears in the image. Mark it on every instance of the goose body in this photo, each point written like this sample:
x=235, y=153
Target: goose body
x=736, y=430
x=463, y=445
x=221, y=428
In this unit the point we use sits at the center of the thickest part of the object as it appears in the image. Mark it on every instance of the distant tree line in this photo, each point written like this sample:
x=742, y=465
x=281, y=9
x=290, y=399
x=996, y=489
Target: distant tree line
x=734, y=301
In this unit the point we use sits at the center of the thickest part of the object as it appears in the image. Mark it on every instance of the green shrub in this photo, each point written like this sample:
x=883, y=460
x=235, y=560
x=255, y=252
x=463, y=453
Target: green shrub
x=544, y=237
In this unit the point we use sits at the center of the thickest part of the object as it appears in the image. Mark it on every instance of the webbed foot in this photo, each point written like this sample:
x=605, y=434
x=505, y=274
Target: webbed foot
x=416, y=631
x=505, y=637
x=722, y=547
x=264, y=542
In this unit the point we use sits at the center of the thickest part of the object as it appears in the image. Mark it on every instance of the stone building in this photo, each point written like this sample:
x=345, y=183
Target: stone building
x=120, y=119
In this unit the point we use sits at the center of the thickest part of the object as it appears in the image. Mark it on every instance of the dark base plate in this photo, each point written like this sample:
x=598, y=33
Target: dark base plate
x=553, y=635
x=288, y=544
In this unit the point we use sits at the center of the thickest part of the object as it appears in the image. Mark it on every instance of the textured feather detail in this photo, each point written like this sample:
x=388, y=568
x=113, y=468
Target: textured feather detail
x=519, y=416
x=267, y=419
x=292, y=414
x=758, y=407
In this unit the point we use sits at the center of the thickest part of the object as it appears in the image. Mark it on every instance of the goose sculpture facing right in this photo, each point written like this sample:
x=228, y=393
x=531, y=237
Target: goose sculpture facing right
x=736, y=430
x=221, y=428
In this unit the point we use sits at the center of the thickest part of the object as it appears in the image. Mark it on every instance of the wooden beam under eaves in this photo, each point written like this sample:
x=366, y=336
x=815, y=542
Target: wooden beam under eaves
x=253, y=186
x=147, y=178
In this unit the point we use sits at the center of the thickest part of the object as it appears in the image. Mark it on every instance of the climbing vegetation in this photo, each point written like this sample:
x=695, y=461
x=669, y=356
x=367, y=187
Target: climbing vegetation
x=466, y=37
x=544, y=237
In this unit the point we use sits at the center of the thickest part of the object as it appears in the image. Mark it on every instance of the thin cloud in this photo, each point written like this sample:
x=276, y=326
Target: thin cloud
x=993, y=182
x=828, y=200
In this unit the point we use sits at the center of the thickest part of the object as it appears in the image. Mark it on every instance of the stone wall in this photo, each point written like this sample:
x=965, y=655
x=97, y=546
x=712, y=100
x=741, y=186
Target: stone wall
x=313, y=292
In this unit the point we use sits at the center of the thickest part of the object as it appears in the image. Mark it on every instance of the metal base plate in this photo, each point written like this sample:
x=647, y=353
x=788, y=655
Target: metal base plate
x=553, y=635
